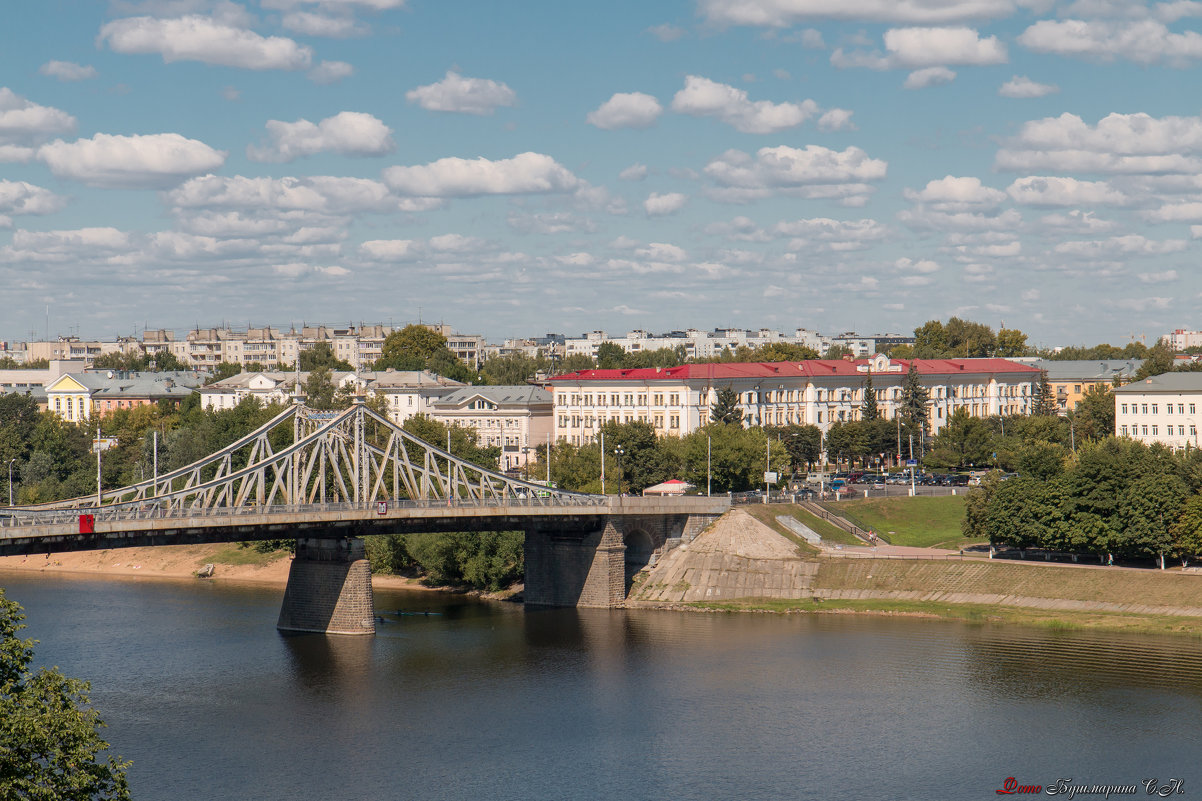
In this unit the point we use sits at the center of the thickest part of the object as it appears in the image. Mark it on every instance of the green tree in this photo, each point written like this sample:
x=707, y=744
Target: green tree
x=49, y=733
x=868, y=409
x=1094, y=416
x=570, y=364
x=963, y=441
x=513, y=369
x=319, y=388
x=930, y=340
x=1150, y=508
x=835, y=352
x=968, y=340
x=1187, y=530
x=784, y=352
x=410, y=348
x=1011, y=342
x=1044, y=402
x=610, y=356
x=913, y=409
x=322, y=355
x=725, y=408
x=1159, y=360
x=224, y=370
x=975, y=525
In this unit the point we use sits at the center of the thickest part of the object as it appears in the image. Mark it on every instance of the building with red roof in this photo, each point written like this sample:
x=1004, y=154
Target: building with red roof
x=677, y=400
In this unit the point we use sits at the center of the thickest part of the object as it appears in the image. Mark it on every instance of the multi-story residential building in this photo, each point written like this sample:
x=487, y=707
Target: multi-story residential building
x=1181, y=339
x=1163, y=409
x=515, y=419
x=76, y=397
x=677, y=400
x=75, y=348
x=1071, y=379
x=405, y=393
x=709, y=344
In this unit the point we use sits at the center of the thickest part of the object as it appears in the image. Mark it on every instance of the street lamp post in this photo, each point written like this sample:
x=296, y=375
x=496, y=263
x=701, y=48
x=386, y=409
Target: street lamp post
x=618, y=451
x=709, y=473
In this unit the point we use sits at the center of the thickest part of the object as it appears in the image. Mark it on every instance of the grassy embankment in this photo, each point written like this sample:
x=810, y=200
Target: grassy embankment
x=767, y=514
x=922, y=522
x=1044, y=588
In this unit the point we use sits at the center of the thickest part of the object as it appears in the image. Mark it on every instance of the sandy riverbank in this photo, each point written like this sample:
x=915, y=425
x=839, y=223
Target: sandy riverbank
x=231, y=563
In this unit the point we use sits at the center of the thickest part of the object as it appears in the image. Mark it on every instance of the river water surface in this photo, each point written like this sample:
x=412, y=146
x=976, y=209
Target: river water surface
x=490, y=701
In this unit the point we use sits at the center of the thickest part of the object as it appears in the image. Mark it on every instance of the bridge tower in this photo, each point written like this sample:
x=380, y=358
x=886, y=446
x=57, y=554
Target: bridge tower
x=329, y=588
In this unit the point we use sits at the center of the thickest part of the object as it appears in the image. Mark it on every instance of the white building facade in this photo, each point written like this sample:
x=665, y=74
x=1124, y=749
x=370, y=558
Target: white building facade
x=1161, y=409
x=820, y=392
x=516, y=419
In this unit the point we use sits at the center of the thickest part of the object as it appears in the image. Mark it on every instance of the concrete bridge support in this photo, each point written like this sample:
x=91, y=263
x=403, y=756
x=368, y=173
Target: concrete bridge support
x=329, y=588
x=595, y=568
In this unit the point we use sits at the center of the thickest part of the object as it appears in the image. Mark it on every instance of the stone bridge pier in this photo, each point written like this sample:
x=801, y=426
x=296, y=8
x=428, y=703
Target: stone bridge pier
x=329, y=588
x=596, y=567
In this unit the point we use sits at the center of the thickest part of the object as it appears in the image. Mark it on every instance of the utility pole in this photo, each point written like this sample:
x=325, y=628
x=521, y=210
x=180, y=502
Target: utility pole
x=98, y=447
x=709, y=473
x=602, y=462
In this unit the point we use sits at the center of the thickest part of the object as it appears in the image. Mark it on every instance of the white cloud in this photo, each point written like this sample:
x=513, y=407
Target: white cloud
x=932, y=47
x=923, y=266
x=782, y=13
x=1052, y=191
x=953, y=194
x=24, y=123
x=666, y=32
x=1162, y=277
x=1077, y=221
x=458, y=177
x=328, y=72
x=350, y=133
x=923, y=218
x=19, y=197
x=918, y=48
x=1119, y=143
x=463, y=95
x=67, y=71
x=372, y=5
x=64, y=246
x=231, y=94
x=130, y=162
x=1020, y=86
x=626, y=110
x=334, y=26
x=334, y=195
x=848, y=234
x=702, y=97
x=837, y=119
x=657, y=205
x=560, y=222
x=635, y=172
x=660, y=251
x=1131, y=244
x=198, y=38
x=391, y=249
x=785, y=166
x=1144, y=41
x=1188, y=211
x=930, y=76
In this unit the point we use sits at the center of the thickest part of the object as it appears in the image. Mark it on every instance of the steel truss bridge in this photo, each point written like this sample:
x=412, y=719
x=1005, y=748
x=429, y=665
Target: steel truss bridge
x=343, y=473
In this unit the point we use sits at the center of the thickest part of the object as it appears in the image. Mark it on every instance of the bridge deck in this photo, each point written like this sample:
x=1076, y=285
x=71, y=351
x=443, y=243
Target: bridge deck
x=144, y=524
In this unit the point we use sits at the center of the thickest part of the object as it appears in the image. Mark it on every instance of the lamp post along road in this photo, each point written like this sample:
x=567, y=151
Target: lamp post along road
x=618, y=451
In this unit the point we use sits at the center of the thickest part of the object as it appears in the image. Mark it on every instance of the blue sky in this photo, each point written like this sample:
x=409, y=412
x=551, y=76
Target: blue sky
x=518, y=168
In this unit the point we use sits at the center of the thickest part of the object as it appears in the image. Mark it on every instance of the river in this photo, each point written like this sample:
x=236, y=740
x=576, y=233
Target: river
x=490, y=701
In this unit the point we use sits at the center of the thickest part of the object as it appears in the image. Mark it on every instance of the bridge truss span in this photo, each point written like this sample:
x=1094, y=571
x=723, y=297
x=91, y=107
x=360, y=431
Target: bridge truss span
x=307, y=458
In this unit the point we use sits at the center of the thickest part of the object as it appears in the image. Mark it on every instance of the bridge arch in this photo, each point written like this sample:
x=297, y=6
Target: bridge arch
x=640, y=553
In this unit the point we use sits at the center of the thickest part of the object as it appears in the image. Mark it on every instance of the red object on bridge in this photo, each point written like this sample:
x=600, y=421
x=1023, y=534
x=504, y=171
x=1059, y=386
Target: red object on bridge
x=87, y=524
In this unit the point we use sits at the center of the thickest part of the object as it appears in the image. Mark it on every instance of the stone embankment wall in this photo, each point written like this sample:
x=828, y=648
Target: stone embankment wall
x=739, y=558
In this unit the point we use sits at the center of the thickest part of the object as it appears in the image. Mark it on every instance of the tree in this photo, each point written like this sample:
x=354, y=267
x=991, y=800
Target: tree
x=968, y=340
x=837, y=352
x=224, y=370
x=1011, y=342
x=512, y=369
x=965, y=440
x=725, y=408
x=319, y=389
x=1159, y=360
x=914, y=400
x=49, y=734
x=784, y=352
x=1187, y=530
x=1094, y=416
x=1045, y=402
x=930, y=340
x=868, y=409
x=322, y=355
x=410, y=348
x=610, y=356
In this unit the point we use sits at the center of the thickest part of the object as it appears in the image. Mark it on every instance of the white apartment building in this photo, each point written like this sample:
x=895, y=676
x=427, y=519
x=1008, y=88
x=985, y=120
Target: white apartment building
x=1182, y=339
x=677, y=400
x=709, y=344
x=1163, y=408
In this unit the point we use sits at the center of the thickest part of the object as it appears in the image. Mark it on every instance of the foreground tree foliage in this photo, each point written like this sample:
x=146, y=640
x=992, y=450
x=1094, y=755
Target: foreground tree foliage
x=50, y=746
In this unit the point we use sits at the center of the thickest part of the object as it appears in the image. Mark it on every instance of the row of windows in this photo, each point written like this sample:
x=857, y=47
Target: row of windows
x=1168, y=430
x=589, y=421
x=619, y=399
x=1142, y=408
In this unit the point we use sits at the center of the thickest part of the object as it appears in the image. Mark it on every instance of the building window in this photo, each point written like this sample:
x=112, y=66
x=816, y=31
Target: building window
x=1168, y=408
x=1154, y=410
x=1181, y=431
x=1193, y=431
x=1180, y=408
x=1124, y=431
x=1145, y=431
x=1191, y=408
x=1154, y=432
x=1124, y=408
x=674, y=421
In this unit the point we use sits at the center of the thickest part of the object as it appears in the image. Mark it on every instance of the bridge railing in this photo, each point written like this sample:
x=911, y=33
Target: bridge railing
x=150, y=510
